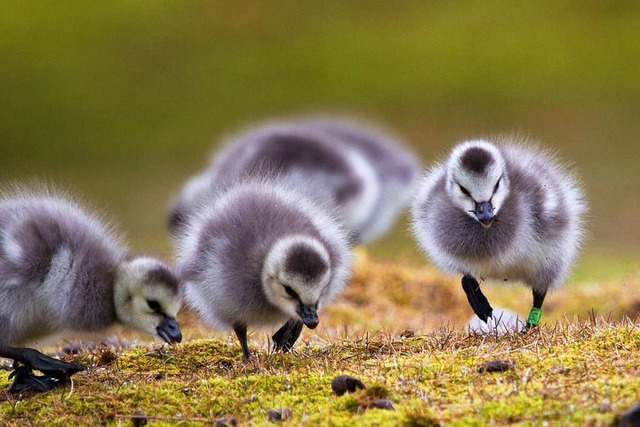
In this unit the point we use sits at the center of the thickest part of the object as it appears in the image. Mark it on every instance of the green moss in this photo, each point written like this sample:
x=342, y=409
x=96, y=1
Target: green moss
x=561, y=375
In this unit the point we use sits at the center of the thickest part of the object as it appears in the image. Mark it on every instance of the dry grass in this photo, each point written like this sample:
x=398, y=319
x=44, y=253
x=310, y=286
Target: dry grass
x=581, y=372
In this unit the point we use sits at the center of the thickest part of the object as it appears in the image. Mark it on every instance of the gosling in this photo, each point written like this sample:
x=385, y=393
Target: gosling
x=63, y=271
x=327, y=172
x=503, y=210
x=259, y=255
x=394, y=164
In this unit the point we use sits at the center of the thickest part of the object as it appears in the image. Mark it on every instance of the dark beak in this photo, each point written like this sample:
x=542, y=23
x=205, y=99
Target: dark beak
x=484, y=213
x=169, y=331
x=309, y=315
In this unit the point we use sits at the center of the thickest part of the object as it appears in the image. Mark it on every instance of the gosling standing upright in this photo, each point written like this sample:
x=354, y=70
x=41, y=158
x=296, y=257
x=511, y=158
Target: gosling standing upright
x=503, y=210
x=63, y=271
x=261, y=254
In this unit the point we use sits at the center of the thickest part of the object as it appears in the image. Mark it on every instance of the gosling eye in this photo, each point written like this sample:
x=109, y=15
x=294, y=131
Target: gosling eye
x=291, y=292
x=154, y=305
x=464, y=191
x=496, y=187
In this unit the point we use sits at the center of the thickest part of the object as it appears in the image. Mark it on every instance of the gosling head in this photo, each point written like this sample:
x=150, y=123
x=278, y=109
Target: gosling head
x=147, y=298
x=295, y=276
x=477, y=181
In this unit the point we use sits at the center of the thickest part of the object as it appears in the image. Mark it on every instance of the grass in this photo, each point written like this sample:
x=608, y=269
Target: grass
x=400, y=330
x=123, y=101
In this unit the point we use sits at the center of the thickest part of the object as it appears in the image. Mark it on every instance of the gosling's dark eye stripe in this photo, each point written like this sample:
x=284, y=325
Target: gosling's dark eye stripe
x=155, y=306
x=497, y=185
x=464, y=191
x=291, y=292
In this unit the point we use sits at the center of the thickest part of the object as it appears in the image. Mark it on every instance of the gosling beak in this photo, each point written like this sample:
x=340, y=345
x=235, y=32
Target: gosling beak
x=309, y=315
x=169, y=331
x=484, y=213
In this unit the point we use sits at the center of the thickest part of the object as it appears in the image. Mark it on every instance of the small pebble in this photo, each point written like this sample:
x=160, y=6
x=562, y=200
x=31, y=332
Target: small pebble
x=346, y=384
x=277, y=415
x=384, y=404
x=226, y=422
x=274, y=416
x=629, y=418
x=106, y=357
x=139, y=419
x=496, y=366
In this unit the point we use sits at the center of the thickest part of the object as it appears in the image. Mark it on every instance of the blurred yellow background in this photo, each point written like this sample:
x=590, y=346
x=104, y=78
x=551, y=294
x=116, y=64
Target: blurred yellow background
x=122, y=101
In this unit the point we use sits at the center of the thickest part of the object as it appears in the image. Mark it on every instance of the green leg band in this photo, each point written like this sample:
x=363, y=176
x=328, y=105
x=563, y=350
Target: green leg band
x=534, y=316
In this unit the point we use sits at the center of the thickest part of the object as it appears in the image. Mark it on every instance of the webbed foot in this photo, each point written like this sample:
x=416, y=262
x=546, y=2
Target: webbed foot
x=49, y=366
x=25, y=380
x=285, y=338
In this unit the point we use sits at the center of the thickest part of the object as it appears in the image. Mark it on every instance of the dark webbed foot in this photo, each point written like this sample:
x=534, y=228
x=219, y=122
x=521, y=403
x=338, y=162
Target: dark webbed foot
x=285, y=338
x=49, y=366
x=25, y=380
x=55, y=371
x=476, y=298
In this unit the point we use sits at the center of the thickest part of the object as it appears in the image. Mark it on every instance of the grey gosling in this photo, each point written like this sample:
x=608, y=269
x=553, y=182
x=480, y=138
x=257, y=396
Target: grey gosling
x=261, y=254
x=503, y=210
x=325, y=171
x=63, y=271
x=395, y=166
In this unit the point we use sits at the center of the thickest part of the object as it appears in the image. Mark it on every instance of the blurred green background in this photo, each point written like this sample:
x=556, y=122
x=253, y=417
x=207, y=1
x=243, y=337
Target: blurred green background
x=122, y=100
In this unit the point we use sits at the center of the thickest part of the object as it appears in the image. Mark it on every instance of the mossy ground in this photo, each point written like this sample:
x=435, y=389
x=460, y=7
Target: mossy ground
x=398, y=329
